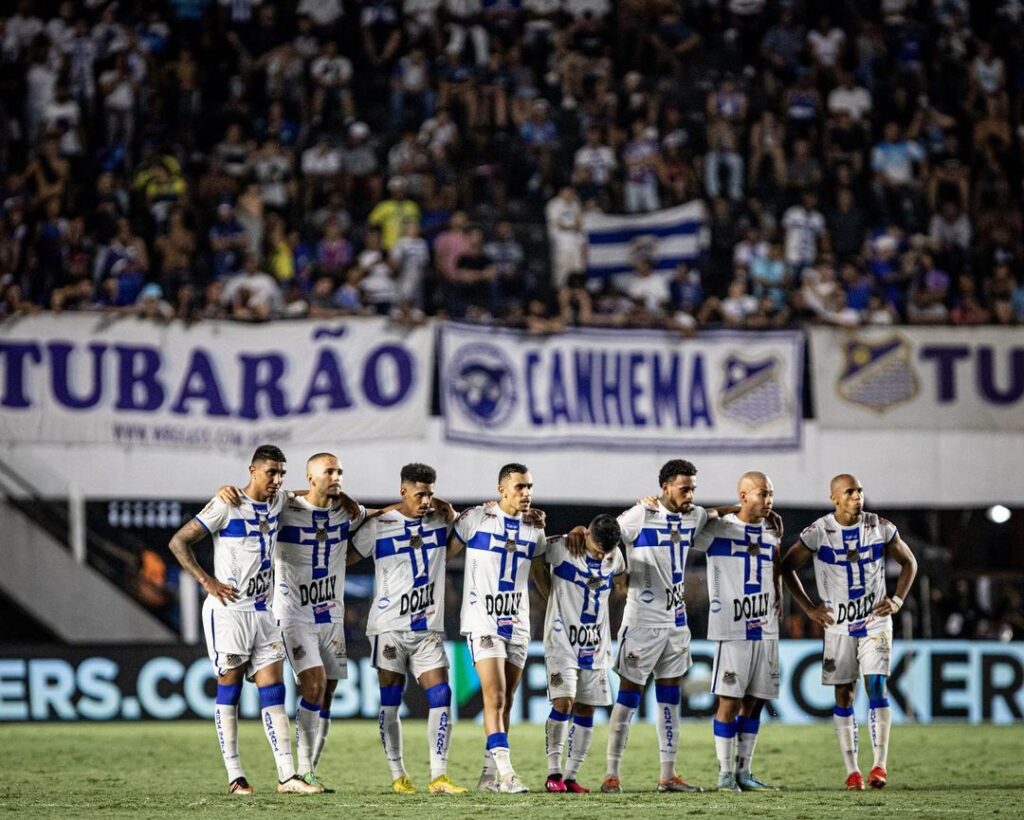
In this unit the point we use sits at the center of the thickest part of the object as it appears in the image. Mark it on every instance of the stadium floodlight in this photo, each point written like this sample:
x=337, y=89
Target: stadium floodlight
x=998, y=514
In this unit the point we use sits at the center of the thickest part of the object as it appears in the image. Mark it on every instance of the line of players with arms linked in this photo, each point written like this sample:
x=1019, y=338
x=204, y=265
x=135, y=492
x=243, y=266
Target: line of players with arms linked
x=277, y=589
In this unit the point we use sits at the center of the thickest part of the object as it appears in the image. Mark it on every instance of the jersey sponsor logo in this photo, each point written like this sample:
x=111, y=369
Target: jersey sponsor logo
x=674, y=596
x=856, y=610
x=318, y=592
x=259, y=584
x=647, y=596
x=587, y=635
x=417, y=600
x=503, y=603
x=750, y=606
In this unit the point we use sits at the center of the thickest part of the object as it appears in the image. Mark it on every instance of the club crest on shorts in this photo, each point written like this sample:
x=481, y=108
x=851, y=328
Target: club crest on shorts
x=389, y=652
x=234, y=660
x=632, y=659
x=299, y=652
x=487, y=642
x=754, y=393
x=877, y=375
x=729, y=677
x=828, y=665
x=557, y=679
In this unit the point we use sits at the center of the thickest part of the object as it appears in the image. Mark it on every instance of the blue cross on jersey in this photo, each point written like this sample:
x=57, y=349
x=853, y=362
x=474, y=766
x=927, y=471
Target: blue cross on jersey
x=674, y=536
x=854, y=557
x=322, y=537
x=754, y=552
x=591, y=581
x=509, y=546
x=416, y=543
x=263, y=527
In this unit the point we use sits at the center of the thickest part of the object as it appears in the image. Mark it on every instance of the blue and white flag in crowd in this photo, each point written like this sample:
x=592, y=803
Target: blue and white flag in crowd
x=668, y=237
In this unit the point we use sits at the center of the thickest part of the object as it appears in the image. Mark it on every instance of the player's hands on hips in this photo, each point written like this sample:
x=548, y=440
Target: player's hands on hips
x=821, y=614
x=225, y=593
x=536, y=518
x=887, y=607
x=576, y=541
x=775, y=523
x=232, y=496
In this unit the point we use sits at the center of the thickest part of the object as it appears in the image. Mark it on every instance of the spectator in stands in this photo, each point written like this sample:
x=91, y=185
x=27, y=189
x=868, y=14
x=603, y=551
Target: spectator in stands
x=565, y=234
x=252, y=294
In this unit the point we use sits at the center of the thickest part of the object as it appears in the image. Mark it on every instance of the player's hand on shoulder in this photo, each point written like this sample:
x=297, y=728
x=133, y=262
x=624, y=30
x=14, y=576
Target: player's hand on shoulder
x=649, y=503
x=576, y=541
x=536, y=518
x=225, y=593
x=347, y=503
x=443, y=509
x=232, y=496
x=489, y=507
x=821, y=614
x=774, y=521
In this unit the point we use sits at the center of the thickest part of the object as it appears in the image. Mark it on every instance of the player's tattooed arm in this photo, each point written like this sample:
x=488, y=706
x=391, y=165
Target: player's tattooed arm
x=540, y=575
x=576, y=541
x=901, y=554
x=181, y=545
x=797, y=556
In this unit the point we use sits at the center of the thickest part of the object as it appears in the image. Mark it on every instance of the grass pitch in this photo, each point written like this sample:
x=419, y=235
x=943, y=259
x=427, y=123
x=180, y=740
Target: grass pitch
x=175, y=770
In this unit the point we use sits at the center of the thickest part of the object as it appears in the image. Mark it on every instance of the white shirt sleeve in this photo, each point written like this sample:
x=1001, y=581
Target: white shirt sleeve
x=214, y=516
x=631, y=522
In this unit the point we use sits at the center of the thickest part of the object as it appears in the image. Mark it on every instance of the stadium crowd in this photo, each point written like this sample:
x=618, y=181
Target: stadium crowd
x=861, y=162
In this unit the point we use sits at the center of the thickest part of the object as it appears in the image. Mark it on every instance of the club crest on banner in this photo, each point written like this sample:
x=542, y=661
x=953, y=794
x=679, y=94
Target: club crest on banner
x=482, y=385
x=754, y=393
x=878, y=375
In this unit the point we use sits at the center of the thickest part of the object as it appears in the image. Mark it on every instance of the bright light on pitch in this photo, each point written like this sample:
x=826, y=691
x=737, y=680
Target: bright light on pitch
x=998, y=514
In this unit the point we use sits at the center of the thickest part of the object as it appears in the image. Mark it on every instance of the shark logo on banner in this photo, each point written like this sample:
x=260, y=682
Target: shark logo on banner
x=877, y=375
x=483, y=387
x=754, y=392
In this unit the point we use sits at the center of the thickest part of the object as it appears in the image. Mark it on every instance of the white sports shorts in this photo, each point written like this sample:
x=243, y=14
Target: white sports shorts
x=588, y=686
x=745, y=667
x=660, y=651
x=482, y=647
x=844, y=658
x=406, y=651
x=310, y=645
x=236, y=638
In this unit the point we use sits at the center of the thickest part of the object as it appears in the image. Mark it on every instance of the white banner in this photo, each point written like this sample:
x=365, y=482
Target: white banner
x=667, y=237
x=634, y=389
x=919, y=378
x=90, y=378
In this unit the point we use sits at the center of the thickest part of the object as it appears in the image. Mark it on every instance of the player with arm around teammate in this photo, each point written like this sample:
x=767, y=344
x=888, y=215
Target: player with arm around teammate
x=500, y=543
x=745, y=593
x=848, y=547
x=242, y=636
x=654, y=638
x=406, y=622
x=577, y=642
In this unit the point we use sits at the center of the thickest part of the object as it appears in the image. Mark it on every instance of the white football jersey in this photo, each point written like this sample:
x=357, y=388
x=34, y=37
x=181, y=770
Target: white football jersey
x=409, y=562
x=243, y=548
x=576, y=625
x=741, y=579
x=495, y=588
x=657, y=543
x=312, y=549
x=849, y=567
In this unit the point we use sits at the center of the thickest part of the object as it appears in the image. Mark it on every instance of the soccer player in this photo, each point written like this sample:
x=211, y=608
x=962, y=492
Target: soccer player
x=577, y=642
x=242, y=637
x=745, y=591
x=309, y=602
x=654, y=638
x=849, y=547
x=407, y=619
x=496, y=609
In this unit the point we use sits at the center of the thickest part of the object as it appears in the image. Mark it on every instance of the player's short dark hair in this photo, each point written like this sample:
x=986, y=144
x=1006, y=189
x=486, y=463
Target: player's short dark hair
x=677, y=466
x=605, y=531
x=268, y=452
x=417, y=473
x=508, y=469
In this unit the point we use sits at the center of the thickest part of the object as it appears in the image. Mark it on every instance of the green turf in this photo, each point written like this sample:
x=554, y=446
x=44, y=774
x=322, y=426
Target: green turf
x=174, y=770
